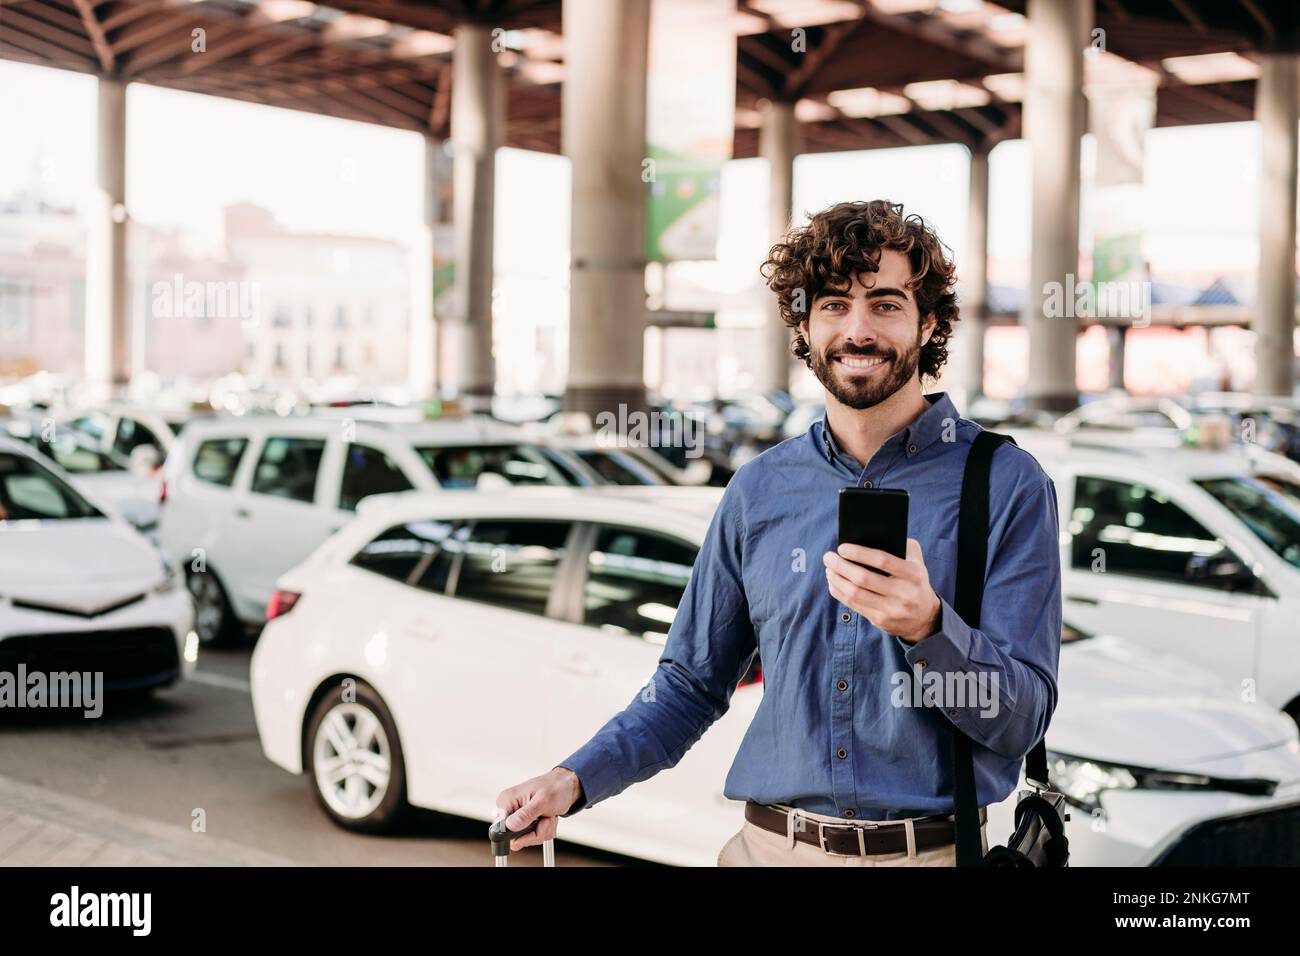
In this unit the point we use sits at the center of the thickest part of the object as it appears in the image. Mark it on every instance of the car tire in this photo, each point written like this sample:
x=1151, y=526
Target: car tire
x=214, y=618
x=1292, y=710
x=353, y=758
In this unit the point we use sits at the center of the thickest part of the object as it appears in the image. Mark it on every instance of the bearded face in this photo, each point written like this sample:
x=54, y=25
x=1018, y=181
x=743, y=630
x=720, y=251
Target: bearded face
x=865, y=337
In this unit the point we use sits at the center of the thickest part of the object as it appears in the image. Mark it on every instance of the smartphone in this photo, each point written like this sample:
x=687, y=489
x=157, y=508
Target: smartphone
x=874, y=518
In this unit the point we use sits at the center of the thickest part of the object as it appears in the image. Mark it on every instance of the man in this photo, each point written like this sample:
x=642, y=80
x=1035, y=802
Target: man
x=838, y=767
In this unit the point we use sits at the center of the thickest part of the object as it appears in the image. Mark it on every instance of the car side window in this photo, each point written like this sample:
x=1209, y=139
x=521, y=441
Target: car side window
x=131, y=434
x=217, y=460
x=288, y=468
x=512, y=563
x=635, y=582
x=406, y=551
x=368, y=471
x=1127, y=528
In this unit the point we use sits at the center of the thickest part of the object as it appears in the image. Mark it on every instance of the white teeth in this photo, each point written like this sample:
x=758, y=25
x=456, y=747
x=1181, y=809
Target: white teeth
x=860, y=362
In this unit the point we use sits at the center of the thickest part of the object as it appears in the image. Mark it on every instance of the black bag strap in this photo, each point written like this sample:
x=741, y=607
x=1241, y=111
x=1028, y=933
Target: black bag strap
x=972, y=558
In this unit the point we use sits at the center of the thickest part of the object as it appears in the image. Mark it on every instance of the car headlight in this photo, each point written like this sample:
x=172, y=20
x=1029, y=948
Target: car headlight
x=1082, y=781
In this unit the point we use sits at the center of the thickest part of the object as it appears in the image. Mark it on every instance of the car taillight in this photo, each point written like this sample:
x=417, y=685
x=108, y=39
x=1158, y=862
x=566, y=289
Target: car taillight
x=281, y=603
x=752, y=676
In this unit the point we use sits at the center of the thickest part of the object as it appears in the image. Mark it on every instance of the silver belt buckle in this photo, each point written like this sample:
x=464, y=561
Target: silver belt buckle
x=859, y=828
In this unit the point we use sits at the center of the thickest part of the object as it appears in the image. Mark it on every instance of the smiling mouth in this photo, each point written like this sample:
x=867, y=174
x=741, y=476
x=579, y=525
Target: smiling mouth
x=860, y=362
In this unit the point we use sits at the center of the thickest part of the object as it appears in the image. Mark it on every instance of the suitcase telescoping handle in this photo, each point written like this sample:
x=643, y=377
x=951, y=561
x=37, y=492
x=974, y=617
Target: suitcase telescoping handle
x=501, y=837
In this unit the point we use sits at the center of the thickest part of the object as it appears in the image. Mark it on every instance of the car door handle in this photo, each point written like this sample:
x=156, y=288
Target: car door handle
x=1083, y=600
x=577, y=664
x=422, y=629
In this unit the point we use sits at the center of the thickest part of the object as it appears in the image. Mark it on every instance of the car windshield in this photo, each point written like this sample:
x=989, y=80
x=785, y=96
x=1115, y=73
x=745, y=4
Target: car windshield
x=459, y=466
x=28, y=490
x=609, y=467
x=1269, y=506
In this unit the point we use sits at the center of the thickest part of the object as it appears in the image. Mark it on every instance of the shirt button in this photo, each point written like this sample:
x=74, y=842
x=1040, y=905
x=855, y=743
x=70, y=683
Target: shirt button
x=841, y=753
x=846, y=617
x=849, y=812
x=866, y=482
x=951, y=712
x=911, y=449
x=922, y=662
x=842, y=685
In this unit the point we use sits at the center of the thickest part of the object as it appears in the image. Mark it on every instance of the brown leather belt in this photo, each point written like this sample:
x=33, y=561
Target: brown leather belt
x=856, y=839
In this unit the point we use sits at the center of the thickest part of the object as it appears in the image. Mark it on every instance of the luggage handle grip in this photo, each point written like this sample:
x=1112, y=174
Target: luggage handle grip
x=501, y=837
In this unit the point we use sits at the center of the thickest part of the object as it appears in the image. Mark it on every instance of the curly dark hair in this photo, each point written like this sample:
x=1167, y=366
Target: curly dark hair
x=846, y=239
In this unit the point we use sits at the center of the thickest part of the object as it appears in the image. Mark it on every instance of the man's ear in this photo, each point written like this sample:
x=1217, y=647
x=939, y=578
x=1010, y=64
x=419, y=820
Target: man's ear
x=803, y=329
x=927, y=328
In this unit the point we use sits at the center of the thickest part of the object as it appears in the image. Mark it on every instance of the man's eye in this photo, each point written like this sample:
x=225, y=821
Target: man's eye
x=889, y=305
x=832, y=305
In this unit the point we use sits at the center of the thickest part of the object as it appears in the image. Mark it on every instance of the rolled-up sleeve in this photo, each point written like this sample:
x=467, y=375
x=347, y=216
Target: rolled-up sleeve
x=1013, y=655
x=710, y=644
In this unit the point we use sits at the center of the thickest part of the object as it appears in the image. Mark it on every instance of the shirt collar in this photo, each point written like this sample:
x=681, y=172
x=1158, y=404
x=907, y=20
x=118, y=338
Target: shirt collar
x=925, y=430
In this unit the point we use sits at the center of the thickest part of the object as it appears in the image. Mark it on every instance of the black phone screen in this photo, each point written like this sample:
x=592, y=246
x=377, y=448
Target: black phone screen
x=874, y=518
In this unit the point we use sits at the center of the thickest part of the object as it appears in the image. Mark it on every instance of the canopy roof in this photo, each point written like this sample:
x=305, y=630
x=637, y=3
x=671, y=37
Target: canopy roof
x=871, y=73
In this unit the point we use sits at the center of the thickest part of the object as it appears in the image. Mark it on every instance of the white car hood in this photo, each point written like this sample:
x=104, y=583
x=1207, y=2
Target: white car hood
x=82, y=564
x=1121, y=704
x=134, y=498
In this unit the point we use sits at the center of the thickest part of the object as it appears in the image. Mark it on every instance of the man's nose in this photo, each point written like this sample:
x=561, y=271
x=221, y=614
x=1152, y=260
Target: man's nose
x=860, y=326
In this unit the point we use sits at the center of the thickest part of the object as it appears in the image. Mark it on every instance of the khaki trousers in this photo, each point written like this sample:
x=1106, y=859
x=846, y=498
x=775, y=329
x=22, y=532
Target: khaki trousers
x=754, y=846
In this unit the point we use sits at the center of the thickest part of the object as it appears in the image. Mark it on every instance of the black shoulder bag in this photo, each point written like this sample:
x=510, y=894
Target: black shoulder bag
x=1039, y=839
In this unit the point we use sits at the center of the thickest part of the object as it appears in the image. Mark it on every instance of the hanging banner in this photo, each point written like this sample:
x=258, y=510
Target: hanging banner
x=690, y=119
x=1122, y=108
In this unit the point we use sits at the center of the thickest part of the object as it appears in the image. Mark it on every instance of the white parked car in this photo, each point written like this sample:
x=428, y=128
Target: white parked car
x=440, y=649
x=81, y=590
x=105, y=477
x=1187, y=552
x=1162, y=763
x=245, y=499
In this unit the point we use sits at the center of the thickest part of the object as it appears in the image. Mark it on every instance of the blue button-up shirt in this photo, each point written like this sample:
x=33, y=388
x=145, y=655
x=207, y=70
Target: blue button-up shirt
x=829, y=735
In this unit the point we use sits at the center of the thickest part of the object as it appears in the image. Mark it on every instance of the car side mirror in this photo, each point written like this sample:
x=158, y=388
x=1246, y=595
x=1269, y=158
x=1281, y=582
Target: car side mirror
x=1224, y=570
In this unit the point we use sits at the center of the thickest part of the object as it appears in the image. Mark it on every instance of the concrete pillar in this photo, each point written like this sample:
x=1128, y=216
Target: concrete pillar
x=967, y=343
x=604, y=137
x=108, y=356
x=778, y=144
x=1054, y=117
x=422, y=375
x=477, y=111
x=1274, y=318
x=427, y=357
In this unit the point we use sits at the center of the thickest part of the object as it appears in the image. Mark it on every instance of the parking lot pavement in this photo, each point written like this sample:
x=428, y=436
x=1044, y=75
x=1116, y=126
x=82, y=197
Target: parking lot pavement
x=125, y=789
x=41, y=827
